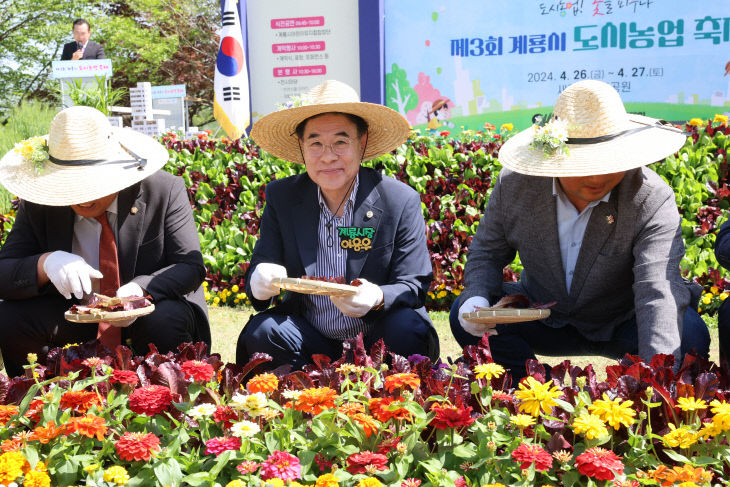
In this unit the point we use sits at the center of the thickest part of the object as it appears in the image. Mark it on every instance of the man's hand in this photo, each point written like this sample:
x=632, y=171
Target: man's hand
x=368, y=296
x=471, y=305
x=261, y=285
x=77, y=55
x=69, y=273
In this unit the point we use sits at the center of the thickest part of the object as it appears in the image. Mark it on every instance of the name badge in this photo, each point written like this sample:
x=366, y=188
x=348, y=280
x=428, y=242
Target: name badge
x=356, y=238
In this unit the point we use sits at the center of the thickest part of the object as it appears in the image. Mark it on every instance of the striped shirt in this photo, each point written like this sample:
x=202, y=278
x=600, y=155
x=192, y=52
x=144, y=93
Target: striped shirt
x=332, y=262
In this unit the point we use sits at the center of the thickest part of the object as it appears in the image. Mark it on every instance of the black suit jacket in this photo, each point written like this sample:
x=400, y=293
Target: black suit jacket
x=398, y=261
x=93, y=51
x=158, y=245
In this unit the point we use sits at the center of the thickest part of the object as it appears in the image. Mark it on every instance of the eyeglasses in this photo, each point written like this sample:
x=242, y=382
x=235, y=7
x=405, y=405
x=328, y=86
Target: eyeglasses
x=340, y=147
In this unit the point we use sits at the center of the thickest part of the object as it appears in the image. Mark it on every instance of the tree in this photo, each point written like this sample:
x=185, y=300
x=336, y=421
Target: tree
x=398, y=91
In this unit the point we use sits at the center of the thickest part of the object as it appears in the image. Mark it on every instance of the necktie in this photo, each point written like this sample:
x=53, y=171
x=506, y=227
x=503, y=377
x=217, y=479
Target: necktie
x=110, y=336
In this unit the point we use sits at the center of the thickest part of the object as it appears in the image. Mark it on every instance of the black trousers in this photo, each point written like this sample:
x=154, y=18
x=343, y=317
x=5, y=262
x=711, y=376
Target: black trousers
x=37, y=325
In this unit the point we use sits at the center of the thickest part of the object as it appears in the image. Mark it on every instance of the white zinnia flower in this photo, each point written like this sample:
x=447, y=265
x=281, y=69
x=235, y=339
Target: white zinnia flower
x=244, y=429
x=201, y=410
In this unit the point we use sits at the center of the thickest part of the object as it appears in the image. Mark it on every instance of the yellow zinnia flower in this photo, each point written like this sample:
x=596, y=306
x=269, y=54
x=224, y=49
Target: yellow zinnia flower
x=614, y=412
x=721, y=410
x=590, y=426
x=691, y=404
x=535, y=396
x=696, y=122
x=707, y=298
x=116, y=474
x=709, y=430
x=680, y=437
x=12, y=465
x=236, y=483
x=488, y=371
x=522, y=421
x=720, y=118
x=327, y=480
x=508, y=127
x=369, y=482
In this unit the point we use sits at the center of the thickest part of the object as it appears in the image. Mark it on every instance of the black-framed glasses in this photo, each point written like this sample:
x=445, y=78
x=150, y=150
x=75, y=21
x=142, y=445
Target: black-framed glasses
x=316, y=148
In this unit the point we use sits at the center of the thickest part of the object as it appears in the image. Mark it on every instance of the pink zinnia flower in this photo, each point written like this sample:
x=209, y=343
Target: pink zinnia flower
x=247, y=467
x=282, y=465
x=410, y=482
x=222, y=443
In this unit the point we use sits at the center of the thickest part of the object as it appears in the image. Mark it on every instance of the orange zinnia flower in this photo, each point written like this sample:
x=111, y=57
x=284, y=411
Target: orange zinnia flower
x=88, y=425
x=351, y=408
x=6, y=412
x=49, y=432
x=263, y=383
x=687, y=473
x=367, y=422
x=315, y=400
x=79, y=401
x=399, y=381
x=381, y=409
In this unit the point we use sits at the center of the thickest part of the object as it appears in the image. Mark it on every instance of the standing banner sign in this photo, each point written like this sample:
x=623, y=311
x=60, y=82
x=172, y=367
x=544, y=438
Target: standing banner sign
x=460, y=64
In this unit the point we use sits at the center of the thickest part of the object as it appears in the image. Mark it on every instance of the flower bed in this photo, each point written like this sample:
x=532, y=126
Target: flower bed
x=187, y=419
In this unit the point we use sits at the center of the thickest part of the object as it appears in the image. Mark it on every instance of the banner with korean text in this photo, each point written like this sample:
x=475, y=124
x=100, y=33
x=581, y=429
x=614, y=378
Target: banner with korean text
x=460, y=64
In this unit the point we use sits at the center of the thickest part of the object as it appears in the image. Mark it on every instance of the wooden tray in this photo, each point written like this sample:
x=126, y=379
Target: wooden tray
x=307, y=286
x=97, y=316
x=494, y=316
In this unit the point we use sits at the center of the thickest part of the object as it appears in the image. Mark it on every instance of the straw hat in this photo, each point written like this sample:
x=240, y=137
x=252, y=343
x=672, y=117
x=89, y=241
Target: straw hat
x=602, y=137
x=88, y=159
x=276, y=132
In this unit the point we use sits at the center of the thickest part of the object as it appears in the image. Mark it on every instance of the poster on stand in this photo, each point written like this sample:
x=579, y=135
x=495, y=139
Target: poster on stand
x=459, y=65
x=294, y=46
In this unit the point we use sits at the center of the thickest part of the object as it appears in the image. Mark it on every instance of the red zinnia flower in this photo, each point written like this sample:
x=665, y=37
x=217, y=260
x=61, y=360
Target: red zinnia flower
x=381, y=410
x=150, y=400
x=225, y=415
x=282, y=465
x=198, y=371
x=448, y=416
x=137, y=446
x=358, y=462
x=247, y=467
x=222, y=443
x=445, y=133
x=599, y=463
x=124, y=377
x=323, y=463
x=79, y=401
x=35, y=409
x=529, y=454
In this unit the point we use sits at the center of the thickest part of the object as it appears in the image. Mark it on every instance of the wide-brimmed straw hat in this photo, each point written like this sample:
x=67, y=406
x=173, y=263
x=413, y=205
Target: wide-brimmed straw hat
x=602, y=137
x=276, y=132
x=87, y=159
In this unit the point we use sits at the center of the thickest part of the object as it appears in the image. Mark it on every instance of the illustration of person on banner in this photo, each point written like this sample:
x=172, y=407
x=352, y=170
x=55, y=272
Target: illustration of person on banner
x=231, y=101
x=337, y=220
x=597, y=232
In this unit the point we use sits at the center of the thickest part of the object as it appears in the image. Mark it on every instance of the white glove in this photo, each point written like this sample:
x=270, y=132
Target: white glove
x=471, y=305
x=70, y=274
x=130, y=289
x=261, y=285
x=368, y=296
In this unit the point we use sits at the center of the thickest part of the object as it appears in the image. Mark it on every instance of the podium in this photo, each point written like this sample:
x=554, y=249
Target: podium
x=86, y=70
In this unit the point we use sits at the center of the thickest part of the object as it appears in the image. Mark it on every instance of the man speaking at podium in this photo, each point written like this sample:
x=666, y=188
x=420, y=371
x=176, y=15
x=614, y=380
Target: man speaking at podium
x=82, y=47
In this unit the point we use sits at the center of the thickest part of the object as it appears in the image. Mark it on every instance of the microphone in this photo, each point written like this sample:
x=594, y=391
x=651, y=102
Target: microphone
x=79, y=46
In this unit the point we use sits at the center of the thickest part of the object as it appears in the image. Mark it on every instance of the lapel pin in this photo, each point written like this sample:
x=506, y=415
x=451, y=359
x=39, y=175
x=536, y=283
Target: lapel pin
x=134, y=210
x=369, y=214
x=609, y=219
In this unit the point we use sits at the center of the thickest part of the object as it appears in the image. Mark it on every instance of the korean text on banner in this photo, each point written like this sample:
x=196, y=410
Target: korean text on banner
x=231, y=102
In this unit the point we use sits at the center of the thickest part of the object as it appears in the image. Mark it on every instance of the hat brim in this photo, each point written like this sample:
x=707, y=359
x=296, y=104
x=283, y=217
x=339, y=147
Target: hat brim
x=64, y=185
x=620, y=154
x=276, y=132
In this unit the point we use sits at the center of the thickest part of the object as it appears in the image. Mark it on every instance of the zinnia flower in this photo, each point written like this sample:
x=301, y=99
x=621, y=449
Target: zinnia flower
x=369, y=482
x=263, y=383
x=488, y=371
x=359, y=462
x=691, y=404
x=315, y=400
x=535, y=396
x=590, y=425
x=48, y=433
x=12, y=465
x=225, y=415
x=281, y=465
x=721, y=410
x=696, y=122
x=720, y=118
x=400, y=381
x=680, y=437
x=222, y=443
x=127, y=377
x=202, y=410
x=410, y=482
x=367, y=422
x=116, y=474
x=79, y=401
x=7, y=412
x=244, y=429
x=247, y=467
x=36, y=478
x=382, y=410
x=236, y=483
x=599, y=463
x=89, y=425
x=137, y=446
x=677, y=474
x=522, y=421
x=527, y=454
x=448, y=416
x=197, y=370
x=351, y=408
x=253, y=404
x=614, y=412
x=327, y=480
x=150, y=400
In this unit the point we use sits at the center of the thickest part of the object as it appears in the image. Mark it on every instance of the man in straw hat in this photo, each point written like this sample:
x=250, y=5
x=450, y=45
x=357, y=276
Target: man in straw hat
x=597, y=233
x=337, y=219
x=96, y=214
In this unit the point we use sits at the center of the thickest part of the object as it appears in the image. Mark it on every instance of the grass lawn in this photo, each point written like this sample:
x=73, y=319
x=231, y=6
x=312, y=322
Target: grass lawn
x=226, y=324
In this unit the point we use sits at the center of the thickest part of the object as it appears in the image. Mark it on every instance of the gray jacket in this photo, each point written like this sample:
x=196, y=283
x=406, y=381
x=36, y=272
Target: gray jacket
x=628, y=262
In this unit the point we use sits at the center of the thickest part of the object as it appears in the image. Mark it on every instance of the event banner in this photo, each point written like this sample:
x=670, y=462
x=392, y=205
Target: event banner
x=454, y=65
x=294, y=46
